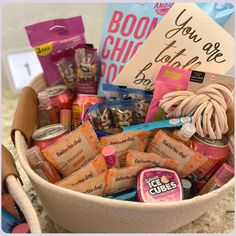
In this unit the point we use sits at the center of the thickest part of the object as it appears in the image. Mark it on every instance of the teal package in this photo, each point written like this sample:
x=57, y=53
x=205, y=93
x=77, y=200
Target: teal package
x=174, y=122
x=8, y=221
x=128, y=195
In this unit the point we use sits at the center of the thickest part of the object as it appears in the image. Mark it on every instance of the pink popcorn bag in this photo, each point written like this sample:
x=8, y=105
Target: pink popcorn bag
x=169, y=79
x=51, y=37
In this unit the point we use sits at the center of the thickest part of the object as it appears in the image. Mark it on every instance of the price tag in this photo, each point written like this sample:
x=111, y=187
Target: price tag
x=22, y=67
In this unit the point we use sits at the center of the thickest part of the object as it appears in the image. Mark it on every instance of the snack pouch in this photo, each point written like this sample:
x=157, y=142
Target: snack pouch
x=170, y=148
x=169, y=79
x=113, y=92
x=126, y=26
x=93, y=186
x=122, y=112
x=74, y=149
x=124, y=141
x=86, y=61
x=100, y=116
x=149, y=160
x=121, y=179
x=51, y=37
x=66, y=65
x=92, y=169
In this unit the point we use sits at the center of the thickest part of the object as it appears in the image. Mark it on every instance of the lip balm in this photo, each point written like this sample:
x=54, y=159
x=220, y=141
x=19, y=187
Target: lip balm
x=109, y=153
x=159, y=184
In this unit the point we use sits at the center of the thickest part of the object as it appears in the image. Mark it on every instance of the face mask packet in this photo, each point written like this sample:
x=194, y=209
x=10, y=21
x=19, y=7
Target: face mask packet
x=123, y=112
x=51, y=37
x=124, y=141
x=119, y=180
x=90, y=170
x=100, y=116
x=113, y=92
x=86, y=61
x=74, y=149
x=149, y=160
x=66, y=65
x=142, y=101
x=170, y=148
x=93, y=186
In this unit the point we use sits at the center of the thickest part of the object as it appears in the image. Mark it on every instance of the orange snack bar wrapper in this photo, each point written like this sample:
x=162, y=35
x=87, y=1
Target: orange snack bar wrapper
x=170, y=148
x=73, y=150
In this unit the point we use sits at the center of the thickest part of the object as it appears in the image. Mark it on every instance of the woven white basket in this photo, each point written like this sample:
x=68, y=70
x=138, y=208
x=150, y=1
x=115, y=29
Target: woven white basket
x=78, y=212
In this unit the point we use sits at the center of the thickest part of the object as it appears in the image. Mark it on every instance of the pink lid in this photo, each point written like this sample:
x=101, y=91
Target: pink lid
x=108, y=151
x=21, y=228
x=224, y=173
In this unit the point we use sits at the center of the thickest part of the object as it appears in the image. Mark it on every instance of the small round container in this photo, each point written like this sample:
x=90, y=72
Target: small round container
x=47, y=135
x=109, y=153
x=60, y=96
x=216, y=151
x=21, y=228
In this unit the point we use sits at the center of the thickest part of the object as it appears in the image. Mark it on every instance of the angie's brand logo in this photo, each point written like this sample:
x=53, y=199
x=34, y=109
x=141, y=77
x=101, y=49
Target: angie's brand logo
x=160, y=185
x=163, y=7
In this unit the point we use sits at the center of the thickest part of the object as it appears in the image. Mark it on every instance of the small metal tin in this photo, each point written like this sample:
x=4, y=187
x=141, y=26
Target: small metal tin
x=60, y=96
x=216, y=151
x=47, y=135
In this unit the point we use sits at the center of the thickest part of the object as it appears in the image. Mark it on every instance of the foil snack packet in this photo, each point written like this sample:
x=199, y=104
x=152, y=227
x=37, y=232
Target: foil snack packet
x=51, y=37
x=86, y=172
x=73, y=150
x=124, y=141
x=170, y=148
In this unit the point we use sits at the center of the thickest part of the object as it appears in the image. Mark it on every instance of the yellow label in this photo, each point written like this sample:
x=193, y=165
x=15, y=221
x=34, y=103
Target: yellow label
x=172, y=74
x=43, y=50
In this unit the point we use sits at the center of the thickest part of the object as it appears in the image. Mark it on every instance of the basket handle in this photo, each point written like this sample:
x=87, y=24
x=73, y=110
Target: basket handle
x=26, y=114
x=8, y=168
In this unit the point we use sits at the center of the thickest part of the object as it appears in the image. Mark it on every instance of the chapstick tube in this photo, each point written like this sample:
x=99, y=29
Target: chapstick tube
x=221, y=177
x=109, y=154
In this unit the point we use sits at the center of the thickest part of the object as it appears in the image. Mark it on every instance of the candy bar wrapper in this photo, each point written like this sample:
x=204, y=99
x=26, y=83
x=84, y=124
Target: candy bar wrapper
x=74, y=149
x=93, y=186
x=86, y=61
x=51, y=37
x=124, y=141
x=149, y=160
x=121, y=179
x=170, y=148
x=86, y=172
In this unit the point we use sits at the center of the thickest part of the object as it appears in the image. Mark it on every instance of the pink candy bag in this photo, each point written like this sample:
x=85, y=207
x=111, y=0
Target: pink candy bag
x=54, y=36
x=169, y=79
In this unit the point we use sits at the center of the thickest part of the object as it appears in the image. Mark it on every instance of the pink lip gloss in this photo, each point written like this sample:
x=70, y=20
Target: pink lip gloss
x=109, y=153
x=221, y=177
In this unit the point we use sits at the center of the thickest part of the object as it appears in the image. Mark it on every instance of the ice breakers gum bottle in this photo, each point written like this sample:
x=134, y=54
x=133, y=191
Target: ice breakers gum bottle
x=47, y=112
x=41, y=166
x=185, y=133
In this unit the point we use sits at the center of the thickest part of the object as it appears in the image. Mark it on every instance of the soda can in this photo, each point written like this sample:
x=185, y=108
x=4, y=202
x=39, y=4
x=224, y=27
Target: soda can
x=60, y=96
x=216, y=151
x=48, y=135
x=80, y=107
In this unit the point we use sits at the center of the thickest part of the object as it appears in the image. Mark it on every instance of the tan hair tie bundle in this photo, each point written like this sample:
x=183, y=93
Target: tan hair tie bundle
x=207, y=106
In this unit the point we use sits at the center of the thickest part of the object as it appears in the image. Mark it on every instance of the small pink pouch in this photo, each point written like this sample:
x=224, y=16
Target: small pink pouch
x=54, y=36
x=169, y=79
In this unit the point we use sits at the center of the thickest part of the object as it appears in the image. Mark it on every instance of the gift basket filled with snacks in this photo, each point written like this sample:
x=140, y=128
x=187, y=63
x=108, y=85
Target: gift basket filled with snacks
x=139, y=131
